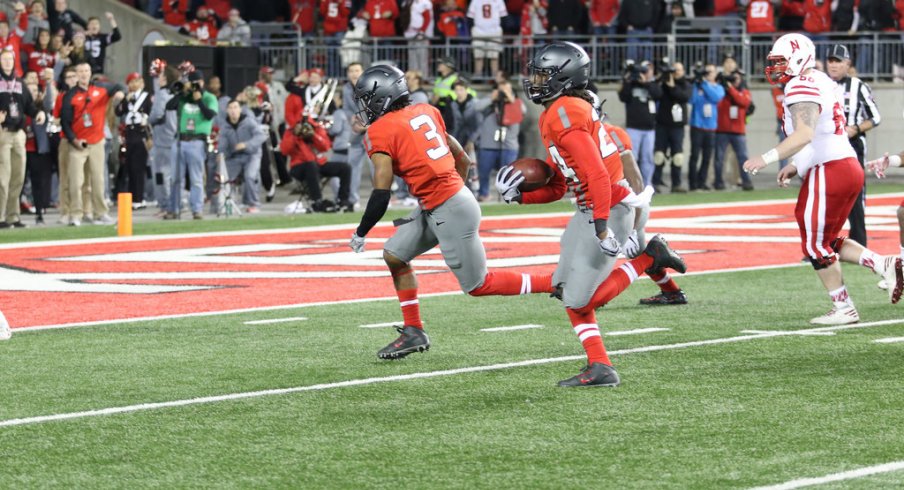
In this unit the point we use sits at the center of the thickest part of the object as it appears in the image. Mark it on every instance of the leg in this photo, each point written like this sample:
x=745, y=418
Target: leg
x=177, y=172
x=77, y=159
x=660, y=146
x=138, y=160
x=709, y=140
x=16, y=176
x=162, y=175
x=696, y=150
x=646, y=155
x=719, y=162
x=195, y=161
x=739, y=144
x=96, y=157
x=5, y=172
x=63, y=177
x=486, y=160
x=356, y=158
x=251, y=185
x=676, y=139
x=341, y=170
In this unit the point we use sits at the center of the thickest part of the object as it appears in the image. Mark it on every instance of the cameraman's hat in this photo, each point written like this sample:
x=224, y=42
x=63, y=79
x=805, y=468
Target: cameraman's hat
x=195, y=76
x=448, y=61
x=839, y=52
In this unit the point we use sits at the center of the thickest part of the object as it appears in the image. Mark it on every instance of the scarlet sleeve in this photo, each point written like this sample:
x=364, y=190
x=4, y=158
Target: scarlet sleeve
x=377, y=140
x=551, y=192
x=591, y=170
x=321, y=139
x=287, y=145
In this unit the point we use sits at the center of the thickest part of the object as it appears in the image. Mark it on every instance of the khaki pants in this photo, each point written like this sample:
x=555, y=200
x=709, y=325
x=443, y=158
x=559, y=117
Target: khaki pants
x=12, y=173
x=63, y=154
x=86, y=162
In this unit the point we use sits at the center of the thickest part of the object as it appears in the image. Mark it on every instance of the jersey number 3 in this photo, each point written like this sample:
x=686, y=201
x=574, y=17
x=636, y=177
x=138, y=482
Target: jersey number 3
x=438, y=151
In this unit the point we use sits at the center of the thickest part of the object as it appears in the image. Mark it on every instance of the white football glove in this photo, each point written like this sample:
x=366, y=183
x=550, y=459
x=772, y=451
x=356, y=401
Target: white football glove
x=878, y=166
x=357, y=243
x=507, y=181
x=609, y=245
x=632, y=246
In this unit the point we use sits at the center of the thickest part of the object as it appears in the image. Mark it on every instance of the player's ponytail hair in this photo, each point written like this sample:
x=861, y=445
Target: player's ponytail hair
x=580, y=93
x=399, y=104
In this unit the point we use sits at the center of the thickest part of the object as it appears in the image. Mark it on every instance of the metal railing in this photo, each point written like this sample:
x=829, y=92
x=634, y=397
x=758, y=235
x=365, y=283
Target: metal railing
x=876, y=56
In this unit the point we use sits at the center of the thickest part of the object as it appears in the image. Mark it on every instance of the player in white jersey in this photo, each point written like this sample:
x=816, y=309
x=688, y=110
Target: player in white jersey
x=487, y=33
x=832, y=178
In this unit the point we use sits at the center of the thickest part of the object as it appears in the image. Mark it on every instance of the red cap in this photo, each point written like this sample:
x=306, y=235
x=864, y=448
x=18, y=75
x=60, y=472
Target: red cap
x=267, y=69
x=318, y=71
x=132, y=76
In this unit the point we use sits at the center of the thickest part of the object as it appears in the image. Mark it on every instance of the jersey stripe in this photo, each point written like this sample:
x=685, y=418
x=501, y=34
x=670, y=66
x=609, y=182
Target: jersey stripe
x=802, y=92
x=566, y=123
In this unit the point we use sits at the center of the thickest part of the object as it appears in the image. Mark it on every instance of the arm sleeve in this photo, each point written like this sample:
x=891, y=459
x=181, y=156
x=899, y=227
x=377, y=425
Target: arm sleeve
x=870, y=109
x=321, y=140
x=121, y=107
x=681, y=93
x=551, y=192
x=208, y=106
x=294, y=88
x=67, y=114
x=114, y=36
x=591, y=170
x=173, y=104
x=30, y=108
x=49, y=99
x=624, y=92
x=741, y=98
x=258, y=137
x=287, y=145
x=655, y=90
x=713, y=92
x=77, y=19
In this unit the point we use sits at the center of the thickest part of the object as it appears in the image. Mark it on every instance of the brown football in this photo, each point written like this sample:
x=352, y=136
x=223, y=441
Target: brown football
x=536, y=173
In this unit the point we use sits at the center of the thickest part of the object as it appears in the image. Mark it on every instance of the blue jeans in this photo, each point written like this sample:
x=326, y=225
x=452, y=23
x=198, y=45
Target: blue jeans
x=643, y=141
x=643, y=37
x=487, y=160
x=334, y=65
x=189, y=156
x=155, y=8
x=739, y=143
x=702, y=142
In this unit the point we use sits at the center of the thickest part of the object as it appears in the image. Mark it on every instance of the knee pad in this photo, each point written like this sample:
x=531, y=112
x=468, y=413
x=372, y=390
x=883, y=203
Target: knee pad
x=823, y=262
x=678, y=159
x=659, y=158
x=837, y=244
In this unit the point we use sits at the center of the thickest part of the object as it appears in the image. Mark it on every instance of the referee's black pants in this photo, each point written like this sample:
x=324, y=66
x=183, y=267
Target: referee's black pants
x=857, y=218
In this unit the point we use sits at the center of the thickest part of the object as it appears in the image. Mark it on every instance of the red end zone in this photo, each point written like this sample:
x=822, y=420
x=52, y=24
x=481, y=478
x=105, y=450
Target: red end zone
x=109, y=279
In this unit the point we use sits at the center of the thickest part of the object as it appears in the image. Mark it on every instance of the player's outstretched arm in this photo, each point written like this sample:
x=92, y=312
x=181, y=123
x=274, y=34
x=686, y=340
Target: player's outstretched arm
x=632, y=171
x=879, y=165
x=462, y=160
x=378, y=201
x=805, y=115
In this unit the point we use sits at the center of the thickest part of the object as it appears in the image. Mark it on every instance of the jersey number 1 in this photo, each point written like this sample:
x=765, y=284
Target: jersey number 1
x=438, y=151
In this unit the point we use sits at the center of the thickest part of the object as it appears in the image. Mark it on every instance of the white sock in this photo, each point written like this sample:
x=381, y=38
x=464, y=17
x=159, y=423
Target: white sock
x=873, y=261
x=902, y=253
x=840, y=297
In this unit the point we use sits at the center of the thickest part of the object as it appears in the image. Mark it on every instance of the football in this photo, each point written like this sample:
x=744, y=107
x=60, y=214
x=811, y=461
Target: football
x=536, y=173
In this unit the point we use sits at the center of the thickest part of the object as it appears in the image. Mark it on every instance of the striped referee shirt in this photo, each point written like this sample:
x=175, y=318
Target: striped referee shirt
x=858, y=104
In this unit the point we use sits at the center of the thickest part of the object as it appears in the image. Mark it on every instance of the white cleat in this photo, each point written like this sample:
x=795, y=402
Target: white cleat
x=838, y=316
x=894, y=280
x=105, y=220
x=882, y=284
x=5, y=331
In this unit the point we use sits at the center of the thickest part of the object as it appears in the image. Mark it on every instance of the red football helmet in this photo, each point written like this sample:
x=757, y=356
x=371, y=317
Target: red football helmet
x=157, y=67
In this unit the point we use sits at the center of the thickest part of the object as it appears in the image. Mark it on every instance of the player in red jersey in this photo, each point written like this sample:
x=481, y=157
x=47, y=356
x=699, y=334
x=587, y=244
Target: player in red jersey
x=411, y=141
x=879, y=166
x=581, y=153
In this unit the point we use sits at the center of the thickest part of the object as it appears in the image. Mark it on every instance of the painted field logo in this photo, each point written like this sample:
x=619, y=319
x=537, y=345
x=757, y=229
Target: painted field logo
x=114, y=279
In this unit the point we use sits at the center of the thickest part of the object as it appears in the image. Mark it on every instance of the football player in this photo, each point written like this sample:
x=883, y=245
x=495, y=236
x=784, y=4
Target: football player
x=879, y=166
x=581, y=154
x=411, y=141
x=832, y=177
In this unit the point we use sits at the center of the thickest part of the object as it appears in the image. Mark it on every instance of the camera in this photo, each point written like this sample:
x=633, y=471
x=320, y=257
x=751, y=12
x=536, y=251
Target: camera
x=665, y=66
x=699, y=71
x=634, y=71
x=184, y=87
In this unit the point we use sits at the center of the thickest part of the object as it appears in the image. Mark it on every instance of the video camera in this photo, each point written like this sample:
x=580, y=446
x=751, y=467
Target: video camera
x=665, y=66
x=183, y=86
x=730, y=78
x=699, y=71
x=634, y=71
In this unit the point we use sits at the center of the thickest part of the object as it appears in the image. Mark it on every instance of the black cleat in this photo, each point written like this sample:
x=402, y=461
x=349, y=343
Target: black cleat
x=663, y=256
x=557, y=292
x=666, y=298
x=411, y=339
x=596, y=374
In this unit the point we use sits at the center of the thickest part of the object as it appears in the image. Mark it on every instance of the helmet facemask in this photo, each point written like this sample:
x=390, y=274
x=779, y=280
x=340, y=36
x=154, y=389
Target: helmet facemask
x=776, y=70
x=537, y=86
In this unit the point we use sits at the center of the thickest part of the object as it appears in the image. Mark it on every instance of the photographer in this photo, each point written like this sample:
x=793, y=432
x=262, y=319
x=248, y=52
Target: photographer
x=83, y=116
x=163, y=132
x=499, y=118
x=732, y=126
x=640, y=93
x=241, y=141
x=705, y=95
x=304, y=145
x=670, y=122
x=195, y=109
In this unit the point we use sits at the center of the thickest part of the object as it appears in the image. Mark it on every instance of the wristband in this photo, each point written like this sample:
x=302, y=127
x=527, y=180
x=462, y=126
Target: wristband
x=771, y=157
x=599, y=225
x=894, y=161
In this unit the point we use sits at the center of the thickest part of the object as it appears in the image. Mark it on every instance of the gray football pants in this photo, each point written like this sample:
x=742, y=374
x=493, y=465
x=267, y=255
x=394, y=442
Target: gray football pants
x=453, y=225
x=582, y=265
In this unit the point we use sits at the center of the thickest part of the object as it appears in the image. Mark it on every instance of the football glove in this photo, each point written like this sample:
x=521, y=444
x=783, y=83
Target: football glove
x=609, y=245
x=357, y=243
x=507, y=181
x=632, y=246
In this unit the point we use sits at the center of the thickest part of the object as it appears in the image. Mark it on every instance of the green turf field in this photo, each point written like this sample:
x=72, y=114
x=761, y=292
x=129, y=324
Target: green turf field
x=754, y=410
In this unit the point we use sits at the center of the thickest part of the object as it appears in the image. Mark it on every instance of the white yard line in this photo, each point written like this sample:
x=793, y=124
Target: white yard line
x=406, y=377
x=889, y=340
x=508, y=329
x=326, y=303
x=845, y=475
x=382, y=325
x=277, y=320
x=790, y=333
x=635, y=331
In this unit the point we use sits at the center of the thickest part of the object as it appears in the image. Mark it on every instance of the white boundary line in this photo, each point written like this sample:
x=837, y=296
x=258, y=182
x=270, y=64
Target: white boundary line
x=382, y=325
x=846, y=475
x=637, y=331
x=277, y=320
x=322, y=303
x=889, y=340
x=406, y=377
x=513, y=327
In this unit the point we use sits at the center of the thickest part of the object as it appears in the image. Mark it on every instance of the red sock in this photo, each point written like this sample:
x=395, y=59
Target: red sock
x=619, y=280
x=584, y=324
x=411, y=310
x=505, y=283
x=665, y=282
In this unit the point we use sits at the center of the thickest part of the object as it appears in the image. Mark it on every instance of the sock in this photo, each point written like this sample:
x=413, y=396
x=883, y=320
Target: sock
x=505, y=283
x=665, y=282
x=411, y=310
x=902, y=252
x=618, y=281
x=872, y=261
x=840, y=297
x=584, y=324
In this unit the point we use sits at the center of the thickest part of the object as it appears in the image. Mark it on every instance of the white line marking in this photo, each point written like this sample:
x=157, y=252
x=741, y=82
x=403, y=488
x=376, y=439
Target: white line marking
x=790, y=333
x=382, y=325
x=405, y=377
x=277, y=320
x=889, y=340
x=329, y=303
x=636, y=331
x=508, y=329
x=846, y=475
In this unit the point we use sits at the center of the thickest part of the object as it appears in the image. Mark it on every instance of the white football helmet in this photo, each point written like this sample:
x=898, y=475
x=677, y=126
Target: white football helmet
x=790, y=56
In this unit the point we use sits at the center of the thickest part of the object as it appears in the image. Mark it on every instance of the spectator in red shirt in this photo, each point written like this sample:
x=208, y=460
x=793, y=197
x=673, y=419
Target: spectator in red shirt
x=817, y=22
x=40, y=55
x=219, y=8
x=11, y=41
x=761, y=16
x=381, y=16
x=792, y=15
x=203, y=28
x=732, y=128
x=303, y=15
x=335, y=15
x=175, y=12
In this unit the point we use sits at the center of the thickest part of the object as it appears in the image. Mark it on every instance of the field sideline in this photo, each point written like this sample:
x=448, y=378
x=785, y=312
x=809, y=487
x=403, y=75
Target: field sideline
x=734, y=390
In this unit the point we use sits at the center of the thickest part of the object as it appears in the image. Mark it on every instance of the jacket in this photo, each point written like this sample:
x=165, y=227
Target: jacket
x=16, y=101
x=639, y=14
x=299, y=151
x=84, y=112
x=704, y=109
x=640, y=104
x=163, y=122
x=240, y=34
x=672, y=110
x=247, y=131
x=733, y=110
x=490, y=135
x=465, y=120
x=341, y=132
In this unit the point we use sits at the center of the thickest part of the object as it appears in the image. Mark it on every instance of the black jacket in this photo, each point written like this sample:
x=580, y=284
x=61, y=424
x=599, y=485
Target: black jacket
x=639, y=14
x=672, y=96
x=16, y=101
x=640, y=103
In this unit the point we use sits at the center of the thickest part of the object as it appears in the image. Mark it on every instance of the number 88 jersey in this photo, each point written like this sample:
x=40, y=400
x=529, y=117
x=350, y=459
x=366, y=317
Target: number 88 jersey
x=415, y=139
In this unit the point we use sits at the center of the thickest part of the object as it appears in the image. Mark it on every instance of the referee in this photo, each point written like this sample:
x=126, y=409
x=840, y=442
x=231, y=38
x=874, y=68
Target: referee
x=861, y=115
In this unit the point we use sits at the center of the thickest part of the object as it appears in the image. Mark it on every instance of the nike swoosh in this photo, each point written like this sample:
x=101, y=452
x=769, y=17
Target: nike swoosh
x=439, y=223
